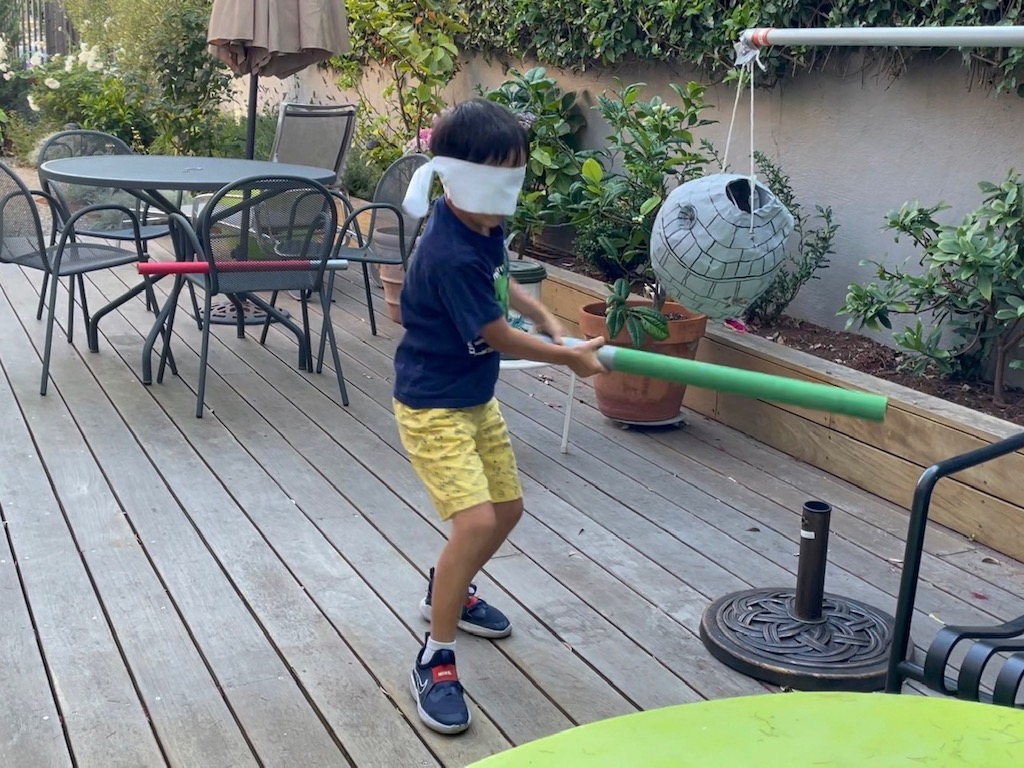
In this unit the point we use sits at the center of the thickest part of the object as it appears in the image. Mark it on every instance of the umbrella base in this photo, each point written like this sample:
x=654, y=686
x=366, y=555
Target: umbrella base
x=223, y=313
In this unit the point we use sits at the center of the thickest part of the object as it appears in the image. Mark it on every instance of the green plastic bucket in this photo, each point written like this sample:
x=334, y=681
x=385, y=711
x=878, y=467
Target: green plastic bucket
x=530, y=275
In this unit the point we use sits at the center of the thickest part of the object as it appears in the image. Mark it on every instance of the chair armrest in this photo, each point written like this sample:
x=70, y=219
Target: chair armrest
x=68, y=230
x=353, y=219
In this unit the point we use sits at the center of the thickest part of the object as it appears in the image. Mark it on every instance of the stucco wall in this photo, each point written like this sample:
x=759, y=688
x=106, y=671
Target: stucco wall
x=863, y=143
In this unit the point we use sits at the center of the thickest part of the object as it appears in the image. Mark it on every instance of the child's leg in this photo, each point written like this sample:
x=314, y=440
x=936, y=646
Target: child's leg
x=478, y=533
x=474, y=538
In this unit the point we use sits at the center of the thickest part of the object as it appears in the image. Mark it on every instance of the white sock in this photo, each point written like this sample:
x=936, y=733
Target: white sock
x=433, y=647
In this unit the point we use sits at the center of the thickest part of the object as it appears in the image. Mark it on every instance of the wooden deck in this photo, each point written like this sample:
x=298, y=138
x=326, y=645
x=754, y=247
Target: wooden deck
x=242, y=589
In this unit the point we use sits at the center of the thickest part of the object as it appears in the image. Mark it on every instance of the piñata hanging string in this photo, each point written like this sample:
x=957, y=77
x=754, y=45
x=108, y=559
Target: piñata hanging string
x=745, y=60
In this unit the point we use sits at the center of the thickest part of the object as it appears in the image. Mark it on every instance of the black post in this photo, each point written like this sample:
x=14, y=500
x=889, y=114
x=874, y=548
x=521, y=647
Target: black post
x=250, y=128
x=810, y=575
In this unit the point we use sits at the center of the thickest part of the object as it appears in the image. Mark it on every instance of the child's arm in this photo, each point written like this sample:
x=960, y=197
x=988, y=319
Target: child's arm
x=513, y=342
x=543, y=320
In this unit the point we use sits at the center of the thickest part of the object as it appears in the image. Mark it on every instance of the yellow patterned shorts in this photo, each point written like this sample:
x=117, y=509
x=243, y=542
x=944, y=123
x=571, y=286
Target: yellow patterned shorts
x=463, y=455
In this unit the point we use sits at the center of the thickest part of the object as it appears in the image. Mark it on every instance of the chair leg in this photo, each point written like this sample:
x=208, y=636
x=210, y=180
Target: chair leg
x=266, y=323
x=307, y=338
x=323, y=330
x=325, y=302
x=42, y=296
x=71, y=308
x=166, y=354
x=239, y=315
x=203, y=354
x=151, y=303
x=195, y=307
x=84, y=302
x=369, y=298
x=49, y=335
x=568, y=412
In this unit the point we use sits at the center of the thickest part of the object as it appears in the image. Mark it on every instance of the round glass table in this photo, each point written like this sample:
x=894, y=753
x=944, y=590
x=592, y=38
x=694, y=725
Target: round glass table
x=150, y=178
x=788, y=730
x=153, y=174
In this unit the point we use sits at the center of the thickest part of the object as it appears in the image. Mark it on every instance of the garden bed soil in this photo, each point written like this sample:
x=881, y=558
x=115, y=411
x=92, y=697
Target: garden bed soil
x=850, y=349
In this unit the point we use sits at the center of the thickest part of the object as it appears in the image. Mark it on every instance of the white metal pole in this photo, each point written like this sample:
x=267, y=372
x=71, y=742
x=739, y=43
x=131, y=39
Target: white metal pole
x=912, y=37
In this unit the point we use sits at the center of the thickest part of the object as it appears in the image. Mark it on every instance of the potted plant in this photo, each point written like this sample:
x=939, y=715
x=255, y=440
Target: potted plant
x=613, y=206
x=654, y=325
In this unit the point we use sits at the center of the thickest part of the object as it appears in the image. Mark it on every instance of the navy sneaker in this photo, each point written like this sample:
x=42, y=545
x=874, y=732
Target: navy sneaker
x=478, y=617
x=440, y=701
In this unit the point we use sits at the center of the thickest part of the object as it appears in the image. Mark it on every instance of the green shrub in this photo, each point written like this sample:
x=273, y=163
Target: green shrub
x=621, y=186
x=805, y=256
x=578, y=34
x=971, y=282
x=553, y=121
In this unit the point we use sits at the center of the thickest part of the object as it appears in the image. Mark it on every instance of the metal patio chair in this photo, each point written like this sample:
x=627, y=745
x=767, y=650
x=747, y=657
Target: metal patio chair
x=994, y=652
x=386, y=216
x=313, y=134
x=22, y=243
x=102, y=223
x=275, y=218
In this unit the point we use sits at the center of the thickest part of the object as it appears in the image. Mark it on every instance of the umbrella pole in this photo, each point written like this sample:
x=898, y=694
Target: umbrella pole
x=250, y=128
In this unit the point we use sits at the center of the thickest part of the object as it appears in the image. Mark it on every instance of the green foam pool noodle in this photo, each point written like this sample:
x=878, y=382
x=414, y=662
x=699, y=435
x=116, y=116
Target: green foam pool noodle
x=780, y=389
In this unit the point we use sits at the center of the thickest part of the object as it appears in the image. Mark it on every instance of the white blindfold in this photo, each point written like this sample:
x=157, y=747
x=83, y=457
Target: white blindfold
x=471, y=187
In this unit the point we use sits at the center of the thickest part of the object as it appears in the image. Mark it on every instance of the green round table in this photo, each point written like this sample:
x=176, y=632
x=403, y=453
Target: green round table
x=790, y=730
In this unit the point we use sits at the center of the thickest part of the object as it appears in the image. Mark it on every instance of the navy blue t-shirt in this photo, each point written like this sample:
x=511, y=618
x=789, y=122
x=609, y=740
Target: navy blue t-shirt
x=447, y=298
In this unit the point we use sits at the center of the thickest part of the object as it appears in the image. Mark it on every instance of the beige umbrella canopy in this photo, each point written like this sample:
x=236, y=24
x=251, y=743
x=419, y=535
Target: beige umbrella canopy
x=276, y=38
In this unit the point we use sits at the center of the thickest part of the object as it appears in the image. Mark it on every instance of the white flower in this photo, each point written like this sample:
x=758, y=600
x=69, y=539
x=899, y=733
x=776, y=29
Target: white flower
x=32, y=104
x=8, y=75
x=36, y=59
x=51, y=83
x=69, y=64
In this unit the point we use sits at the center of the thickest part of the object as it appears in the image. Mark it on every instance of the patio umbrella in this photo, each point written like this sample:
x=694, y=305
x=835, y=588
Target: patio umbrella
x=276, y=38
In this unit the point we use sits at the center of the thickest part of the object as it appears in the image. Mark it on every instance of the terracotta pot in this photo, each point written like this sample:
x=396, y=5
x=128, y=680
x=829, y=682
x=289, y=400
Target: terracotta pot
x=392, y=276
x=631, y=398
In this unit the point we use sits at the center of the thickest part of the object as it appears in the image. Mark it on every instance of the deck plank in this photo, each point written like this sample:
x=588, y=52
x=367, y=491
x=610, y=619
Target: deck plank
x=289, y=541
x=30, y=725
x=93, y=687
x=247, y=667
x=527, y=713
x=583, y=698
x=330, y=673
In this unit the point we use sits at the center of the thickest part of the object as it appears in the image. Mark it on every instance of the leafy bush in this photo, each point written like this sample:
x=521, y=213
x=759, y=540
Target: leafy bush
x=414, y=45
x=622, y=185
x=813, y=247
x=361, y=173
x=972, y=284
x=188, y=85
x=553, y=121
x=581, y=34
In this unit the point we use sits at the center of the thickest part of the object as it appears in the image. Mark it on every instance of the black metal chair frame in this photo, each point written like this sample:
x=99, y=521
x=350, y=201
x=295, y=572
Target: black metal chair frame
x=293, y=110
x=362, y=253
x=147, y=231
x=986, y=642
x=53, y=266
x=199, y=241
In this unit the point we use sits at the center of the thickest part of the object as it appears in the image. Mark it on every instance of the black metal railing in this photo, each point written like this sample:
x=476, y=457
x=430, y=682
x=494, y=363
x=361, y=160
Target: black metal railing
x=988, y=642
x=42, y=27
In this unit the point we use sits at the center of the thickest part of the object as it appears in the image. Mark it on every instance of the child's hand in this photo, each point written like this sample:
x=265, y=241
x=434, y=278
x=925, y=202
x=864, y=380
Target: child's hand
x=549, y=324
x=584, y=362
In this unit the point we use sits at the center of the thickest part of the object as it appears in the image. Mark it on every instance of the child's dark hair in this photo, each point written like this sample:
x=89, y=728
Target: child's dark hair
x=480, y=131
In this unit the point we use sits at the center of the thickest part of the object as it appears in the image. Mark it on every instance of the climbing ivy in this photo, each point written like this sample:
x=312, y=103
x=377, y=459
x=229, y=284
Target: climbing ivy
x=577, y=34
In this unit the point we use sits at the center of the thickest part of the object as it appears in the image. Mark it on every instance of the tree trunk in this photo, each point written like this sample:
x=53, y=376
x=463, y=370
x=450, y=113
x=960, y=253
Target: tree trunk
x=999, y=377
